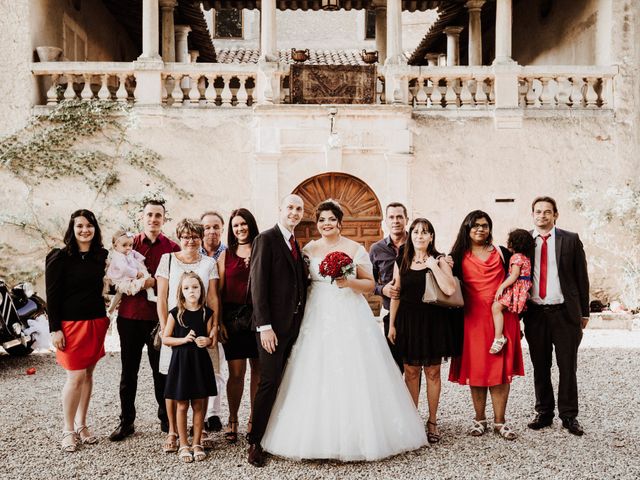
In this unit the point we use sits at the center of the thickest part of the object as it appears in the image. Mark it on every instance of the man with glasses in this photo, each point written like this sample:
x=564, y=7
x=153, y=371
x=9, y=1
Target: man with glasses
x=137, y=317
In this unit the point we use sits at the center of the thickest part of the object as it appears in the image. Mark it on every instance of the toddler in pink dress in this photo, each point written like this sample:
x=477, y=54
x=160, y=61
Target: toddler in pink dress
x=126, y=269
x=513, y=293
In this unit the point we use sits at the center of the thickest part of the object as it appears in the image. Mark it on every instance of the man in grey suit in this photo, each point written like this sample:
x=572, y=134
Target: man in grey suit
x=557, y=312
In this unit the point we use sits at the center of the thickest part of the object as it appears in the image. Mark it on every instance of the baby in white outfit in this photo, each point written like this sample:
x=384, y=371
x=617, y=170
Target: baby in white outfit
x=126, y=269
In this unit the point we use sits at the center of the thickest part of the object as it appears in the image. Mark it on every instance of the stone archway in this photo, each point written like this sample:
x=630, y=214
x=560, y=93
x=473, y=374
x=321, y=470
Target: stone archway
x=362, y=220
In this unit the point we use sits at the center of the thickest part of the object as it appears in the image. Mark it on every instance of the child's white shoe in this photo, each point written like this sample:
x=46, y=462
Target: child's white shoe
x=151, y=296
x=498, y=344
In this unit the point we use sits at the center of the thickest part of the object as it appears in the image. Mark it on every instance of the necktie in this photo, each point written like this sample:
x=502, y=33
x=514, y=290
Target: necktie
x=294, y=250
x=543, y=265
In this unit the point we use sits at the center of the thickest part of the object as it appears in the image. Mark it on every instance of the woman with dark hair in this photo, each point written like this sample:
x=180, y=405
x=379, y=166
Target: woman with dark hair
x=77, y=319
x=240, y=343
x=424, y=334
x=481, y=268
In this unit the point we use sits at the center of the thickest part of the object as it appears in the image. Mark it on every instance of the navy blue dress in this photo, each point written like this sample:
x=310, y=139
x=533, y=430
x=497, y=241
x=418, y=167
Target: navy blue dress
x=190, y=374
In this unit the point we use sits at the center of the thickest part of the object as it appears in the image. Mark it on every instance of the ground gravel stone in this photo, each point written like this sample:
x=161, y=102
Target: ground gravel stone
x=608, y=379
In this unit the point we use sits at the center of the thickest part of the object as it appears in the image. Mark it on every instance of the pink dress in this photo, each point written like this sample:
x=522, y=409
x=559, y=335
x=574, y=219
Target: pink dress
x=515, y=296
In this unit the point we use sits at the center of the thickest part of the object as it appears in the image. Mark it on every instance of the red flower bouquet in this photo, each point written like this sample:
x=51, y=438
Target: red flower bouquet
x=336, y=265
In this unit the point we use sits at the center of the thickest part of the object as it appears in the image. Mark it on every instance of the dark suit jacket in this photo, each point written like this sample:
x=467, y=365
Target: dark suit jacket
x=278, y=283
x=572, y=270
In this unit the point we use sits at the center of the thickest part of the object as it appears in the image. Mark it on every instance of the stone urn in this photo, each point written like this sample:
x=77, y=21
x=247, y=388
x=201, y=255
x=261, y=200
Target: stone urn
x=369, y=57
x=49, y=54
x=300, y=55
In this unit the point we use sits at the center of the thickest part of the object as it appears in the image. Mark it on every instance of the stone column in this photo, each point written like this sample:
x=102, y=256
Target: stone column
x=182, y=48
x=193, y=56
x=395, y=55
x=604, y=26
x=504, y=20
x=432, y=59
x=442, y=60
x=168, y=34
x=150, y=33
x=381, y=34
x=475, y=31
x=453, y=45
x=268, y=45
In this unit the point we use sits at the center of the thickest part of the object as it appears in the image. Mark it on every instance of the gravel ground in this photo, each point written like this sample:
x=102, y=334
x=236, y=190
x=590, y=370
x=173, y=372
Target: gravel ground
x=609, y=398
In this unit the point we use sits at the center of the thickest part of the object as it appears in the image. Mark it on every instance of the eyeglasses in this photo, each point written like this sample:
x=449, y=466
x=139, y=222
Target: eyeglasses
x=480, y=226
x=189, y=239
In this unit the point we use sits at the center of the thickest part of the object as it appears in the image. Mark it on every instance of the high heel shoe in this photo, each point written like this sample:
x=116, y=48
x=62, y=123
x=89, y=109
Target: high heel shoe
x=231, y=435
x=433, y=437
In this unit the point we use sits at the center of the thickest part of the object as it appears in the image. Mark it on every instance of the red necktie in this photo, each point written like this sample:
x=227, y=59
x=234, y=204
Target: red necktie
x=543, y=266
x=294, y=250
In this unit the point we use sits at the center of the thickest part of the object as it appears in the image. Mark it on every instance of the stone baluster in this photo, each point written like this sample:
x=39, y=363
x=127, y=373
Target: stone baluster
x=492, y=92
x=226, y=94
x=69, y=93
x=591, y=96
x=421, y=94
x=104, y=93
x=86, y=94
x=531, y=98
x=52, y=93
x=210, y=93
x=165, y=88
x=121, y=94
x=466, y=99
x=562, y=95
x=242, y=96
x=480, y=96
x=177, y=94
x=546, y=97
x=194, y=91
x=576, y=92
x=605, y=92
x=450, y=97
x=436, y=94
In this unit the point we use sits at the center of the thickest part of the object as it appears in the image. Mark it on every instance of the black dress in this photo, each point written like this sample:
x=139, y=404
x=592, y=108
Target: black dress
x=190, y=374
x=425, y=333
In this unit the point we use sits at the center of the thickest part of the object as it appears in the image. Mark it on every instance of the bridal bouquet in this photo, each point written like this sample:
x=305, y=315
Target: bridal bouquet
x=336, y=265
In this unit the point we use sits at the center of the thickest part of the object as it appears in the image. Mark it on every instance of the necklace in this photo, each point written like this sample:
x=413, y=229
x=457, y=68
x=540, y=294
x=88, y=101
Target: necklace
x=420, y=261
x=83, y=255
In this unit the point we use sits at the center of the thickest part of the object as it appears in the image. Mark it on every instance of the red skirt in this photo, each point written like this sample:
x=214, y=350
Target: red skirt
x=84, y=343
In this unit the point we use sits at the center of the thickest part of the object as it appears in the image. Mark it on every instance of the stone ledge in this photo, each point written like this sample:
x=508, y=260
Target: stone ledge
x=610, y=320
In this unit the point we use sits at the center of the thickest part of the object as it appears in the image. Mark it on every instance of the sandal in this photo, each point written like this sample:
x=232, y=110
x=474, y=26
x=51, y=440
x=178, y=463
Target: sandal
x=497, y=345
x=88, y=438
x=504, y=431
x=184, y=454
x=231, y=435
x=199, y=454
x=207, y=440
x=478, y=428
x=433, y=437
x=69, y=441
x=249, y=428
x=170, y=443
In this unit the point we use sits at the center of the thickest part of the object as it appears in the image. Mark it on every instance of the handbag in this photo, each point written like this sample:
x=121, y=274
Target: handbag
x=237, y=318
x=435, y=296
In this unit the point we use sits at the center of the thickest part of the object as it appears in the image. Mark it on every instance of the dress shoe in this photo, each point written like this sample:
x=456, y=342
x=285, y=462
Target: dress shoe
x=572, y=424
x=256, y=455
x=122, y=431
x=213, y=424
x=540, y=421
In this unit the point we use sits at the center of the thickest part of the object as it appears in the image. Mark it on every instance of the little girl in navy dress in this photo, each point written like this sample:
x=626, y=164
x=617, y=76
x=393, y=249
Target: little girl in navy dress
x=190, y=378
x=513, y=293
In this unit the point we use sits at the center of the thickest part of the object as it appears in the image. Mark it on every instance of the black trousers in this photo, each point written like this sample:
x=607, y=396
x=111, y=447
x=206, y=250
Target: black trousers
x=134, y=335
x=271, y=370
x=546, y=329
x=392, y=347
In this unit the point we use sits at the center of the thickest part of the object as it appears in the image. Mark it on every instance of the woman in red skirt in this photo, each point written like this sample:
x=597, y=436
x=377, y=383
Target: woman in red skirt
x=77, y=319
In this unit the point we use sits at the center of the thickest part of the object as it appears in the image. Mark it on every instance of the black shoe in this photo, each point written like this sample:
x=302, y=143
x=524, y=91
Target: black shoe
x=213, y=424
x=540, y=421
x=256, y=455
x=164, y=426
x=122, y=431
x=572, y=424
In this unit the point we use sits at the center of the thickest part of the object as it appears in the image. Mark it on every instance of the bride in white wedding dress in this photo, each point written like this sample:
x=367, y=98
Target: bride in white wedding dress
x=342, y=395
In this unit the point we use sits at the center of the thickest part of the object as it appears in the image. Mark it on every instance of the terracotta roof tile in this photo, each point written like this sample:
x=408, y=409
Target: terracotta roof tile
x=316, y=57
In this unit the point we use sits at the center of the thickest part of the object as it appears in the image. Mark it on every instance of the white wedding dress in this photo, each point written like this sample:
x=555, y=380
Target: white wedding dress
x=342, y=395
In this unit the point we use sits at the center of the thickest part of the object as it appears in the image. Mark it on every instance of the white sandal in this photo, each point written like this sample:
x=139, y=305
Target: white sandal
x=69, y=441
x=184, y=454
x=497, y=345
x=478, y=428
x=90, y=439
x=200, y=454
x=504, y=431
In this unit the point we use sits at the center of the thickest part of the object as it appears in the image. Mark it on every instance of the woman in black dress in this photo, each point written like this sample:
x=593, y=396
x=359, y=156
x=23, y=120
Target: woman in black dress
x=423, y=333
x=77, y=319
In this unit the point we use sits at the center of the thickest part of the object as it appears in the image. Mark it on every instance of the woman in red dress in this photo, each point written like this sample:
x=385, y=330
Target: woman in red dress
x=77, y=319
x=480, y=267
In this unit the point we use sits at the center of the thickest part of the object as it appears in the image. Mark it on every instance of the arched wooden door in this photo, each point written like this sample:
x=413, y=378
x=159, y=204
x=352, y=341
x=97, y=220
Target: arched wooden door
x=362, y=220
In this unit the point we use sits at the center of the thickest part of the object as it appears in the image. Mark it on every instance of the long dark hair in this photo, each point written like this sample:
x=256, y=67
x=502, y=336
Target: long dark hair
x=410, y=250
x=463, y=243
x=70, y=243
x=232, y=240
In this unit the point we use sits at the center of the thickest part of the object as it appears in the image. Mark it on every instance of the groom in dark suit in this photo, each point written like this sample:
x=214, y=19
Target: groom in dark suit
x=558, y=311
x=278, y=292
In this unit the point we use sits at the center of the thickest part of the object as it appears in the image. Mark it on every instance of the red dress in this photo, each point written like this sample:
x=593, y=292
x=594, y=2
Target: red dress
x=477, y=367
x=515, y=296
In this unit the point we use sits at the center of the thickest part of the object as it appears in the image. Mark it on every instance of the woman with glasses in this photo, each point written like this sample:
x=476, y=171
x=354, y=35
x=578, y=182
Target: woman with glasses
x=172, y=265
x=480, y=266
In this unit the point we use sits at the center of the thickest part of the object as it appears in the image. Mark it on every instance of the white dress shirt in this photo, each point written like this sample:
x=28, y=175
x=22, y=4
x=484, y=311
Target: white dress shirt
x=554, y=292
x=286, y=234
